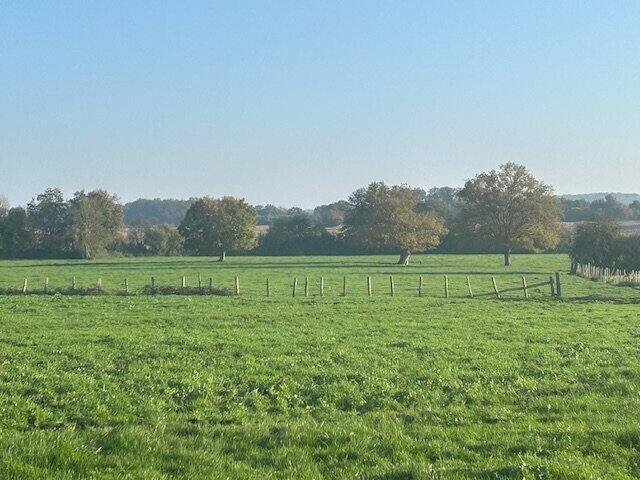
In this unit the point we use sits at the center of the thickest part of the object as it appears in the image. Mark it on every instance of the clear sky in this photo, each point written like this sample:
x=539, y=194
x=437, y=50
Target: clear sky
x=299, y=103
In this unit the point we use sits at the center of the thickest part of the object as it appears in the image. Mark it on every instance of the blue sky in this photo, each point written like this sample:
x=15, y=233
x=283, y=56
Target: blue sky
x=299, y=103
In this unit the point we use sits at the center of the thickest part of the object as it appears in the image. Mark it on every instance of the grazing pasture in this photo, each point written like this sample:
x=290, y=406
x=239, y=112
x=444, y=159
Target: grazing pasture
x=380, y=387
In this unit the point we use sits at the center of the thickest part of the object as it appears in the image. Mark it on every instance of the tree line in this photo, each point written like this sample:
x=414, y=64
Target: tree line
x=504, y=210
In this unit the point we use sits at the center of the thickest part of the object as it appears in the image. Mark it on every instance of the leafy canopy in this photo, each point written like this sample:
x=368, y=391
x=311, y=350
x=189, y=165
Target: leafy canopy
x=213, y=225
x=387, y=217
x=509, y=208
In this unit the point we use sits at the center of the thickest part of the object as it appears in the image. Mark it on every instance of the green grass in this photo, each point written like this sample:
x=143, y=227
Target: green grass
x=158, y=387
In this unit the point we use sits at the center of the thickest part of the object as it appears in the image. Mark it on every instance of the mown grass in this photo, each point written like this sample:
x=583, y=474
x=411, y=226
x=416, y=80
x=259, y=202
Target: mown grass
x=180, y=386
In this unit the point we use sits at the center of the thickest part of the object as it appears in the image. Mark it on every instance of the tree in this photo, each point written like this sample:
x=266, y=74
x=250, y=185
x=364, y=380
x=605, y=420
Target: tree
x=163, y=239
x=215, y=226
x=50, y=219
x=4, y=206
x=97, y=221
x=18, y=238
x=510, y=209
x=331, y=215
x=386, y=217
x=608, y=207
x=594, y=243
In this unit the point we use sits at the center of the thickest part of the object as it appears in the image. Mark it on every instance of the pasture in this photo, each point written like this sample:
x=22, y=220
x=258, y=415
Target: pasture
x=380, y=387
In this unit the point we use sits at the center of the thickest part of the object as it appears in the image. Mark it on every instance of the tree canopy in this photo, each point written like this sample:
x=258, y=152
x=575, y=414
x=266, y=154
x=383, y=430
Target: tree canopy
x=509, y=208
x=215, y=226
x=387, y=217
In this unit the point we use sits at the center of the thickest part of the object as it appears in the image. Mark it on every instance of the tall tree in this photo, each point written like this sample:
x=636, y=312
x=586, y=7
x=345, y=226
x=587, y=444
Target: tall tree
x=331, y=215
x=215, y=226
x=387, y=217
x=509, y=208
x=49, y=216
x=97, y=221
x=18, y=238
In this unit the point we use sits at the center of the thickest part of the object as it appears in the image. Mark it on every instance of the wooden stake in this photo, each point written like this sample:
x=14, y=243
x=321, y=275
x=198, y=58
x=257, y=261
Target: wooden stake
x=184, y=282
x=551, y=286
x=524, y=287
x=24, y=287
x=153, y=282
x=126, y=285
x=210, y=285
x=306, y=286
x=558, y=286
x=369, y=286
x=237, y=285
x=495, y=287
x=200, y=282
x=295, y=286
x=322, y=286
x=99, y=284
x=446, y=287
x=391, y=285
x=268, y=288
x=46, y=285
x=420, y=286
x=73, y=283
x=344, y=286
x=469, y=287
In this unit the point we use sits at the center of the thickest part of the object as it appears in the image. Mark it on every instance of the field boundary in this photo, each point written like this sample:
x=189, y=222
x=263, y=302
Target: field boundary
x=298, y=289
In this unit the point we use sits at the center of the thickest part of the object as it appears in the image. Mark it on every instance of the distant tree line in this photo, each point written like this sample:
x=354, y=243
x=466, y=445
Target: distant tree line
x=505, y=210
x=581, y=210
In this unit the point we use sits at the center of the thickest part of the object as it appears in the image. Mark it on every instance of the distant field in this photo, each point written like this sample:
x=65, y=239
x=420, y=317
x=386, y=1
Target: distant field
x=160, y=387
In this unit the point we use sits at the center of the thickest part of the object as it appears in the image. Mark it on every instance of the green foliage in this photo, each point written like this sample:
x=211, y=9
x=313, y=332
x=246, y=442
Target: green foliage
x=202, y=387
x=509, y=209
x=215, y=226
x=51, y=223
x=298, y=235
x=331, y=215
x=18, y=236
x=601, y=243
x=97, y=221
x=156, y=211
x=382, y=216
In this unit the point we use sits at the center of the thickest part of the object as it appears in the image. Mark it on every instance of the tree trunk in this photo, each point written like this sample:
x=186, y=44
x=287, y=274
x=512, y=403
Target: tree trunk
x=404, y=258
x=507, y=257
x=223, y=256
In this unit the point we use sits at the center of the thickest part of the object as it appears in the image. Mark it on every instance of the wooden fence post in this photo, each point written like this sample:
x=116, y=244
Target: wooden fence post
x=420, y=286
x=446, y=287
x=46, y=285
x=295, y=286
x=99, y=284
x=153, y=283
x=469, y=287
x=126, y=285
x=237, y=284
x=321, y=286
x=524, y=287
x=210, y=285
x=73, y=283
x=558, y=286
x=184, y=283
x=495, y=287
x=551, y=286
x=391, y=285
x=306, y=286
x=24, y=287
x=344, y=286
x=200, y=282
x=369, y=285
x=268, y=287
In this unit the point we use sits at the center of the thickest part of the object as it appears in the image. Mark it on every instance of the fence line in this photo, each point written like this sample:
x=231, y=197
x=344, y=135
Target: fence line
x=154, y=288
x=606, y=274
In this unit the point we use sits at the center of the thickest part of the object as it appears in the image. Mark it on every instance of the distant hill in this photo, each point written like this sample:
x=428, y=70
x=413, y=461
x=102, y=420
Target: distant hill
x=156, y=211
x=625, y=198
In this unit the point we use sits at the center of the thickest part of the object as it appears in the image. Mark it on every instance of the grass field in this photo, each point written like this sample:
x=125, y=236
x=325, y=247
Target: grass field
x=158, y=387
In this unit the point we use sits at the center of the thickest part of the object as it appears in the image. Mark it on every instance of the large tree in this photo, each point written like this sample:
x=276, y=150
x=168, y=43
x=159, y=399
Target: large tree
x=215, y=226
x=18, y=238
x=97, y=221
x=388, y=217
x=49, y=216
x=510, y=209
